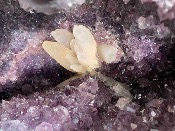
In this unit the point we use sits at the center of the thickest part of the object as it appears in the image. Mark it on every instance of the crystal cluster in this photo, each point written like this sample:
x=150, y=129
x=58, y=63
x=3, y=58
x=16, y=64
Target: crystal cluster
x=22, y=45
x=88, y=103
x=76, y=107
x=85, y=104
x=77, y=55
x=159, y=31
x=141, y=45
x=23, y=62
x=24, y=57
x=166, y=8
x=49, y=6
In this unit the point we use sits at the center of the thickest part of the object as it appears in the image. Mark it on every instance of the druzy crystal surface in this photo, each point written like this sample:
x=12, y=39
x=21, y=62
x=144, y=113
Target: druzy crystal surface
x=74, y=108
x=31, y=95
x=49, y=6
x=165, y=8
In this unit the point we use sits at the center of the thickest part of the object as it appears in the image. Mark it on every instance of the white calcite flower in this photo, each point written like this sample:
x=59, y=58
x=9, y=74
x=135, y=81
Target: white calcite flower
x=78, y=51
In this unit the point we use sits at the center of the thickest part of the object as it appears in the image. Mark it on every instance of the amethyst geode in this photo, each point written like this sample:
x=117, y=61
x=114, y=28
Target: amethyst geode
x=87, y=104
x=84, y=104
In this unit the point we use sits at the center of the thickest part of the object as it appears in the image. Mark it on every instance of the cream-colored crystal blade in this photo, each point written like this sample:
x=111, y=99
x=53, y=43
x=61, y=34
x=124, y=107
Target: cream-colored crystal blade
x=62, y=36
x=58, y=52
x=85, y=47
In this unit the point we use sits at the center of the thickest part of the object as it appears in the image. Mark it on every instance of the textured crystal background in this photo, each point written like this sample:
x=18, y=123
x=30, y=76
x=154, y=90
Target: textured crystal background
x=29, y=97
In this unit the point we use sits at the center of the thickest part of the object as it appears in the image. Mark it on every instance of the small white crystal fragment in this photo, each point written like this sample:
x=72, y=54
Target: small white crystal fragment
x=153, y=114
x=154, y=130
x=62, y=36
x=107, y=53
x=70, y=3
x=133, y=126
x=145, y=23
x=126, y=1
x=122, y=102
x=50, y=6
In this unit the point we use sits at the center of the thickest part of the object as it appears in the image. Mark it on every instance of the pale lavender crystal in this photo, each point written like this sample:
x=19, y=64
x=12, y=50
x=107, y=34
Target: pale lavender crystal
x=49, y=6
x=145, y=23
x=126, y=1
x=140, y=48
x=44, y=126
x=160, y=30
x=14, y=125
x=166, y=8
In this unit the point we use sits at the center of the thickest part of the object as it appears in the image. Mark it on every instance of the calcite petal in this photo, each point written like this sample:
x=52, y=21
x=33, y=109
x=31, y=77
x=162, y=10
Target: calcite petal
x=78, y=68
x=72, y=59
x=72, y=43
x=58, y=52
x=107, y=53
x=75, y=65
x=62, y=36
x=85, y=47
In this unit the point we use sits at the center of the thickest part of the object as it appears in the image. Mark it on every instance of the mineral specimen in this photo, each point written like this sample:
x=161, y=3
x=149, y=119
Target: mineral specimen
x=166, y=8
x=108, y=53
x=83, y=56
x=49, y=6
x=79, y=54
x=148, y=23
x=85, y=47
x=76, y=107
x=23, y=62
x=86, y=102
x=83, y=104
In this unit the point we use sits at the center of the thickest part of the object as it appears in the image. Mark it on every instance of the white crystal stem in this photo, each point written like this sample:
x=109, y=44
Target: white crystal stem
x=119, y=88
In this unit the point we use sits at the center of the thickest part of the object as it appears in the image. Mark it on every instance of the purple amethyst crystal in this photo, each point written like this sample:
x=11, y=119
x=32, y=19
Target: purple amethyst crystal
x=77, y=107
x=28, y=76
x=85, y=104
x=142, y=44
x=44, y=126
x=71, y=109
x=140, y=48
x=166, y=8
x=22, y=59
x=21, y=46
